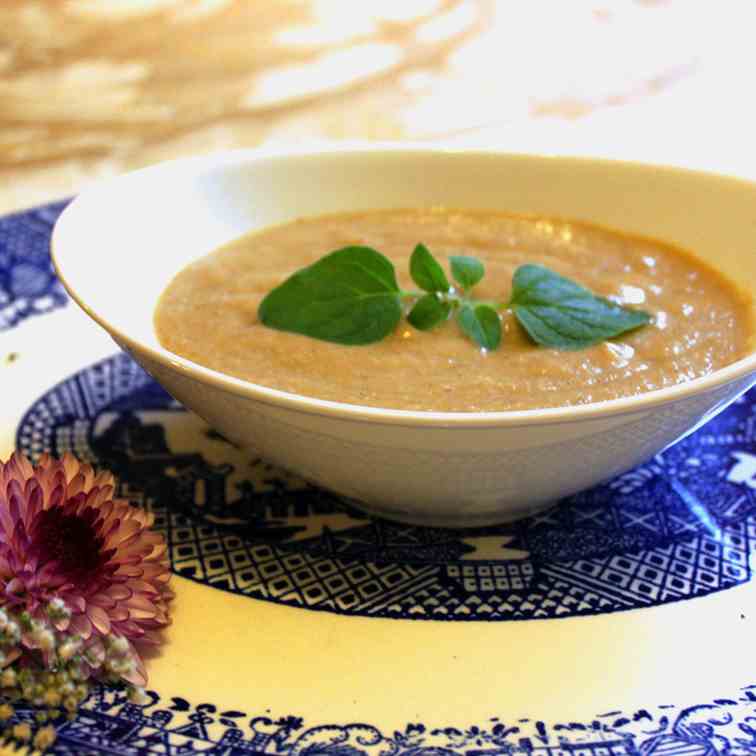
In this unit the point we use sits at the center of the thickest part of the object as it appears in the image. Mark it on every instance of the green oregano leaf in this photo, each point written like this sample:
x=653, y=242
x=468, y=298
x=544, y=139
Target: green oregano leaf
x=467, y=271
x=481, y=323
x=426, y=272
x=349, y=297
x=559, y=313
x=427, y=312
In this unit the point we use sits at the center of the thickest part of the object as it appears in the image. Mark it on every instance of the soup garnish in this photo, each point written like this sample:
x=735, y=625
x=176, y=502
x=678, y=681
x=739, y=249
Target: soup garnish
x=351, y=296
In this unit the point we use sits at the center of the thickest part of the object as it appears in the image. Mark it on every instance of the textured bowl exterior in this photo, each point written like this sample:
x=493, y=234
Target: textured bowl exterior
x=455, y=477
x=447, y=469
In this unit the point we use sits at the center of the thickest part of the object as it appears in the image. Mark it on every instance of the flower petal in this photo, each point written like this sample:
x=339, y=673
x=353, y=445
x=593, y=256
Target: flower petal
x=129, y=570
x=103, y=601
x=138, y=676
x=99, y=619
x=80, y=625
x=119, y=592
x=119, y=614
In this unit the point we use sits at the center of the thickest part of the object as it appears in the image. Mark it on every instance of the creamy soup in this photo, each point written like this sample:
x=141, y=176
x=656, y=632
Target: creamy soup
x=701, y=321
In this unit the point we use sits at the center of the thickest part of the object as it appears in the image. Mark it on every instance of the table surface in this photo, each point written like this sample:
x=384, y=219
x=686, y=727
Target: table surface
x=90, y=88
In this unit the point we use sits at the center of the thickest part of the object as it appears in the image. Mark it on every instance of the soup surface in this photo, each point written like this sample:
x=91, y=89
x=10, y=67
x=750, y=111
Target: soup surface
x=701, y=321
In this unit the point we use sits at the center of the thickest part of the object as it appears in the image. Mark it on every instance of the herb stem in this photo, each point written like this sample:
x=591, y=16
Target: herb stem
x=491, y=303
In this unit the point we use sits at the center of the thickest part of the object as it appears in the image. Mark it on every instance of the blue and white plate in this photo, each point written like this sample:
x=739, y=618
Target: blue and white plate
x=620, y=621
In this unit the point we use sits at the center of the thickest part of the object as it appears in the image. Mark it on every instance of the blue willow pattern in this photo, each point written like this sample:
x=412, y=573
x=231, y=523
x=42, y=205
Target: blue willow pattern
x=108, y=723
x=28, y=285
x=681, y=526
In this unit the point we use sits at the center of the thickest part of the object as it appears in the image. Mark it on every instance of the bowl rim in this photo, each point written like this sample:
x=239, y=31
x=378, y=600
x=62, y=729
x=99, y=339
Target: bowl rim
x=643, y=402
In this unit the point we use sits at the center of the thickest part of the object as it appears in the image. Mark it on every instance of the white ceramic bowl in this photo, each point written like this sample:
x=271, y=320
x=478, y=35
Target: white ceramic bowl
x=116, y=248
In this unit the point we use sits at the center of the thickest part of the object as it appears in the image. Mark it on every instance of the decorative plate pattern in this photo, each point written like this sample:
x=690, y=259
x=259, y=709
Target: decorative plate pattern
x=682, y=526
x=108, y=723
x=28, y=285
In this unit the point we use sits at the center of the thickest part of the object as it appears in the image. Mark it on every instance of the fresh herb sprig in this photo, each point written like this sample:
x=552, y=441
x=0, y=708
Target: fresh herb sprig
x=351, y=296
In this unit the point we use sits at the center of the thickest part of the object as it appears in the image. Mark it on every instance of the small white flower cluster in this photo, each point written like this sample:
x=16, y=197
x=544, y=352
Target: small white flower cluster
x=51, y=670
x=10, y=634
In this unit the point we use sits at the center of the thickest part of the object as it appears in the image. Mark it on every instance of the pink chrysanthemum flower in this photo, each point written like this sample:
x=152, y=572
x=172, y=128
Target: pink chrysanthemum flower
x=83, y=571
